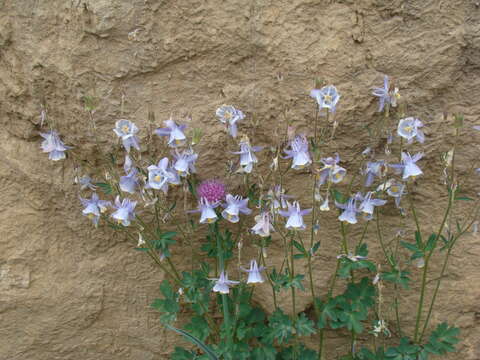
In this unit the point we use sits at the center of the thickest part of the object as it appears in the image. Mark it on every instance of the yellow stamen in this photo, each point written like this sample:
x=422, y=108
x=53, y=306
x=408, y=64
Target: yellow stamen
x=157, y=178
x=125, y=129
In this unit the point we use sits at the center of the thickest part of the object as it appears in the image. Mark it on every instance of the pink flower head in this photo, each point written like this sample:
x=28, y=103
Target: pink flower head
x=213, y=190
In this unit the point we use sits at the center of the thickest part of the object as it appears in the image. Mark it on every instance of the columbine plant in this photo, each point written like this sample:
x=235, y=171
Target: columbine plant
x=224, y=319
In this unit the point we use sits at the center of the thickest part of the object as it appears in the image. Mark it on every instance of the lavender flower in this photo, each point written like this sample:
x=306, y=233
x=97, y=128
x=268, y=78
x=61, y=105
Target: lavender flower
x=206, y=210
x=213, y=190
x=53, y=145
x=247, y=156
x=174, y=132
x=396, y=190
x=331, y=171
x=327, y=97
x=85, y=182
x=94, y=207
x=233, y=206
x=222, y=284
x=350, y=210
x=129, y=182
x=383, y=94
x=254, y=273
x=409, y=128
x=295, y=216
x=277, y=198
x=368, y=204
x=476, y=127
x=185, y=162
x=408, y=167
x=125, y=211
x=229, y=115
x=299, y=152
x=159, y=176
x=373, y=169
x=263, y=225
x=126, y=130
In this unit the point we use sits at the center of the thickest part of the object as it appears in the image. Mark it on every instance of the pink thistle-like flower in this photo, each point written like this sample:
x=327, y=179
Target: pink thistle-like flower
x=213, y=190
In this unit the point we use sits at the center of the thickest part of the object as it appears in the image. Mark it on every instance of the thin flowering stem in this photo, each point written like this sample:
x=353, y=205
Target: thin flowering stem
x=294, y=310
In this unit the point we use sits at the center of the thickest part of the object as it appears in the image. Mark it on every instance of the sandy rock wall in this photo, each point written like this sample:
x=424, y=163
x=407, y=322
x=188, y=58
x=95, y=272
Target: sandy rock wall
x=68, y=291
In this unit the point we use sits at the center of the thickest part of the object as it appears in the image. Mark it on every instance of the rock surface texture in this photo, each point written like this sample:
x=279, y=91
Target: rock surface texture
x=68, y=291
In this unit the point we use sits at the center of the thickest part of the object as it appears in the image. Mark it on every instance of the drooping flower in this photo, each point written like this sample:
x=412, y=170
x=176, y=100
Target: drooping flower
x=383, y=94
x=396, y=190
x=53, y=145
x=325, y=204
x=85, y=182
x=125, y=212
x=373, y=169
x=206, y=210
x=94, y=207
x=159, y=176
x=299, y=152
x=129, y=182
x=175, y=134
x=254, y=273
x=409, y=128
x=213, y=190
x=228, y=115
x=368, y=204
x=277, y=198
x=350, y=210
x=408, y=167
x=126, y=130
x=294, y=216
x=331, y=171
x=263, y=224
x=247, y=155
x=222, y=284
x=185, y=162
x=233, y=206
x=327, y=97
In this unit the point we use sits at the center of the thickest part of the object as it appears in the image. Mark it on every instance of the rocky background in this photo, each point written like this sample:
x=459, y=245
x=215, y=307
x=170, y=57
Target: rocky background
x=68, y=291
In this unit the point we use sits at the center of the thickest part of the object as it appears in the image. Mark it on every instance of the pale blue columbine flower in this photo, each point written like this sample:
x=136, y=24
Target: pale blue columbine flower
x=254, y=273
x=129, y=182
x=185, y=162
x=159, y=176
x=373, y=169
x=327, y=97
x=85, y=182
x=175, y=134
x=125, y=212
x=263, y=224
x=94, y=207
x=230, y=116
x=233, y=206
x=409, y=128
x=247, y=155
x=126, y=130
x=53, y=145
x=368, y=204
x=408, y=167
x=396, y=190
x=222, y=284
x=207, y=211
x=299, y=152
x=331, y=171
x=294, y=216
x=350, y=210
x=383, y=94
x=277, y=198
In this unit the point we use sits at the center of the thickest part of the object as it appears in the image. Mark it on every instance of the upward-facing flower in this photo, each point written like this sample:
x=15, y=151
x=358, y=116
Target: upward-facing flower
x=294, y=216
x=383, y=94
x=233, y=206
x=213, y=190
x=129, y=182
x=408, y=167
x=327, y=97
x=350, y=210
x=331, y=171
x=126, y=130
x=373, y=169
x=254, y=273
x=299, y=152
x=125, y=211
x=222, y=284
x=159, y=176
x=263, y=225
x=53, y=145
x=368, y=204
x=185, y=162
x=409, y=128
x=247, y=155
x=94, y=207
x=175, y=134
x=230, y=116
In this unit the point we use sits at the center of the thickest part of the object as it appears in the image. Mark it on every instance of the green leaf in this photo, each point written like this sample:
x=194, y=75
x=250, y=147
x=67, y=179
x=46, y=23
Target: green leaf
x=205, y=348
x=404, y=351
x=397, y=277
x=280, y=327
x=431, y=242
x=304, y=325
x=443, y=339
x=198, y=327
x=264, y=353
x=106, y=188
x=182, y=354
